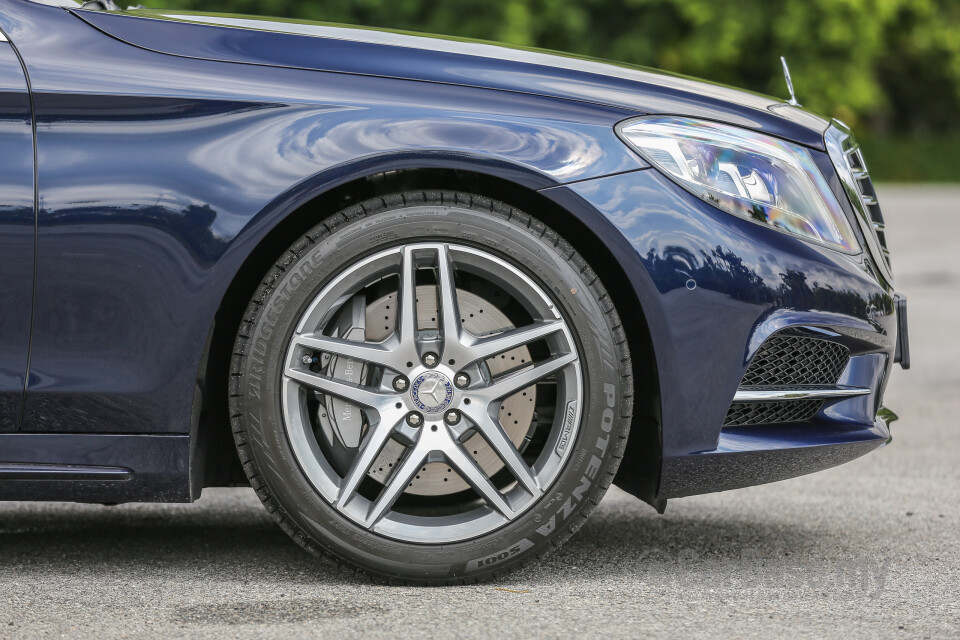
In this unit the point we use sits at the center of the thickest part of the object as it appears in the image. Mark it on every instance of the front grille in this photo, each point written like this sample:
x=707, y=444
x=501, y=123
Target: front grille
x=846, y=156
x=788, y=358
x=744, y=413
x=866, y=193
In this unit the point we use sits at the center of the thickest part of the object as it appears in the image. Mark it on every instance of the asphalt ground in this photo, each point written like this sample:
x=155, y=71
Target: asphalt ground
x=868, y=549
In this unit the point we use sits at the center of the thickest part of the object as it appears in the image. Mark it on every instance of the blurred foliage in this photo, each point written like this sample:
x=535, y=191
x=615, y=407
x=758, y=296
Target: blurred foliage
x=889, y=68
x=913, y=158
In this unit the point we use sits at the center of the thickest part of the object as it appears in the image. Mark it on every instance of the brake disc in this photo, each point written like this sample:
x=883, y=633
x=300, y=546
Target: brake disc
x=479, y=317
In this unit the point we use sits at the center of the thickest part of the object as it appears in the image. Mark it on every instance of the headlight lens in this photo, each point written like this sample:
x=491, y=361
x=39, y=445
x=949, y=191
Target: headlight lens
x=748, y=174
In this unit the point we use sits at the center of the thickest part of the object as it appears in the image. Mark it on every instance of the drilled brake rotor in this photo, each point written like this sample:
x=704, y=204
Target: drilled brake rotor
x=479, y=317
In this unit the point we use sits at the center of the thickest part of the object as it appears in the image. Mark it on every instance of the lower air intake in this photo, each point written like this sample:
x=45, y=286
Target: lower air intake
x=744, y=413
x=788, y=358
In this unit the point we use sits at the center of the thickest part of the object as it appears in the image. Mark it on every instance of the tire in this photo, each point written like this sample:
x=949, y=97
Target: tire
x=456, y=537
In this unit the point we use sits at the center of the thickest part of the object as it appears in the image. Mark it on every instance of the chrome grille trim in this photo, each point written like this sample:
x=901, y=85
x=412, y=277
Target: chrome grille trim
x=774, y=393
x=848, y=160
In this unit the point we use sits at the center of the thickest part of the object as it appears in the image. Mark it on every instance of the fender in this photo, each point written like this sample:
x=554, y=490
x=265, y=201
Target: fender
x=275, y=212
x=158, y=175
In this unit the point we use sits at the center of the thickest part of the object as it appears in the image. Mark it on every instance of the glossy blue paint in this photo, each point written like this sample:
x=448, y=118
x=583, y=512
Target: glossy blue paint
x=346, y=49
x=163, y=166
x=16, y=233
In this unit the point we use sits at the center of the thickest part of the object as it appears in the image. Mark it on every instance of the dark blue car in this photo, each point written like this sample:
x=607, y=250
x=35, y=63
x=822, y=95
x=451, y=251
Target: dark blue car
x=428, y=297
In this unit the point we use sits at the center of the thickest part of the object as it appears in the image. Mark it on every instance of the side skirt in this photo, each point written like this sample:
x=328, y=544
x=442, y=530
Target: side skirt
x=94, y=467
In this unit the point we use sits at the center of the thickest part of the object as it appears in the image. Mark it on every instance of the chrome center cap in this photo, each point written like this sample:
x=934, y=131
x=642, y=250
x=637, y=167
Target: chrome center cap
x=432, y=392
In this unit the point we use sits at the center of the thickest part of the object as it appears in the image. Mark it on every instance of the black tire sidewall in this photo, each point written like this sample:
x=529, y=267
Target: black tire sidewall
x=538, y=252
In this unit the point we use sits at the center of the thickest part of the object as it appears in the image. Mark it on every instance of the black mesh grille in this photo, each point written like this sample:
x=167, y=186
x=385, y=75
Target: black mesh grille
x=743, y=413
x=787, y=359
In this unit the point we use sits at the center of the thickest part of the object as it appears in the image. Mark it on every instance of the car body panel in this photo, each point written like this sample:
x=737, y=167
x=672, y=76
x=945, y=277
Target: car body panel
x=346, y=49
x=16, y=233
x=161, y=173
x=748, y=281
x=158, y=467
x=145, y=256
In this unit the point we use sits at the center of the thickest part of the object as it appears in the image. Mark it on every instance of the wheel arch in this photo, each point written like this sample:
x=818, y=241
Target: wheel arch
x=213, y=458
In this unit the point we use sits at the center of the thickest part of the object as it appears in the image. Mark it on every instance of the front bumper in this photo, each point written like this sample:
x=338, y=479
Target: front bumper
x=713, y=288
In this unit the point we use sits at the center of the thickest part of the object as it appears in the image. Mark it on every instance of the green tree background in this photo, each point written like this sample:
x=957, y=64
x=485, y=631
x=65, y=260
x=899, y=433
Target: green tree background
x=889, y=68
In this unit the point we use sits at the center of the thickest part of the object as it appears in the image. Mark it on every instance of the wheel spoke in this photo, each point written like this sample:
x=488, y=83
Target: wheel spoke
x=447, y=297
x=369, y=450
x=498, y=439
x=483, y=348
x=373, y=353
x=398, y=482
x=471, y=472
x=407, y=318
x=356, y=394
x=509, y=384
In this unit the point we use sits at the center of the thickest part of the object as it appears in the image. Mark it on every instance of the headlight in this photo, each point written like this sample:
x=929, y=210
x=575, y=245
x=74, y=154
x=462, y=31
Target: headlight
x=748, y=174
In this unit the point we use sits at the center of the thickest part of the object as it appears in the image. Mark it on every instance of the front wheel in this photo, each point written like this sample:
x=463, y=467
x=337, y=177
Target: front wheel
x=432, y=387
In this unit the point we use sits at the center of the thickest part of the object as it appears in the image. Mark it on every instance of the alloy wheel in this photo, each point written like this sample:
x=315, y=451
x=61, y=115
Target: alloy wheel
x=384, y=383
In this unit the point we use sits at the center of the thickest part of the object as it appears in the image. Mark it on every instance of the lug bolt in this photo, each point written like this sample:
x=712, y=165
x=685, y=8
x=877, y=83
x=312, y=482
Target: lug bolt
x=306, y=359
x=461, y=380
x=452, y=417
x=400, y=383
x=414, y=419
x=430, y=359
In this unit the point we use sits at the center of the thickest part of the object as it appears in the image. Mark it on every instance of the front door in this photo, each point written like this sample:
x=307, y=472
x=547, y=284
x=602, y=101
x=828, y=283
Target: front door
x=17, y=223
